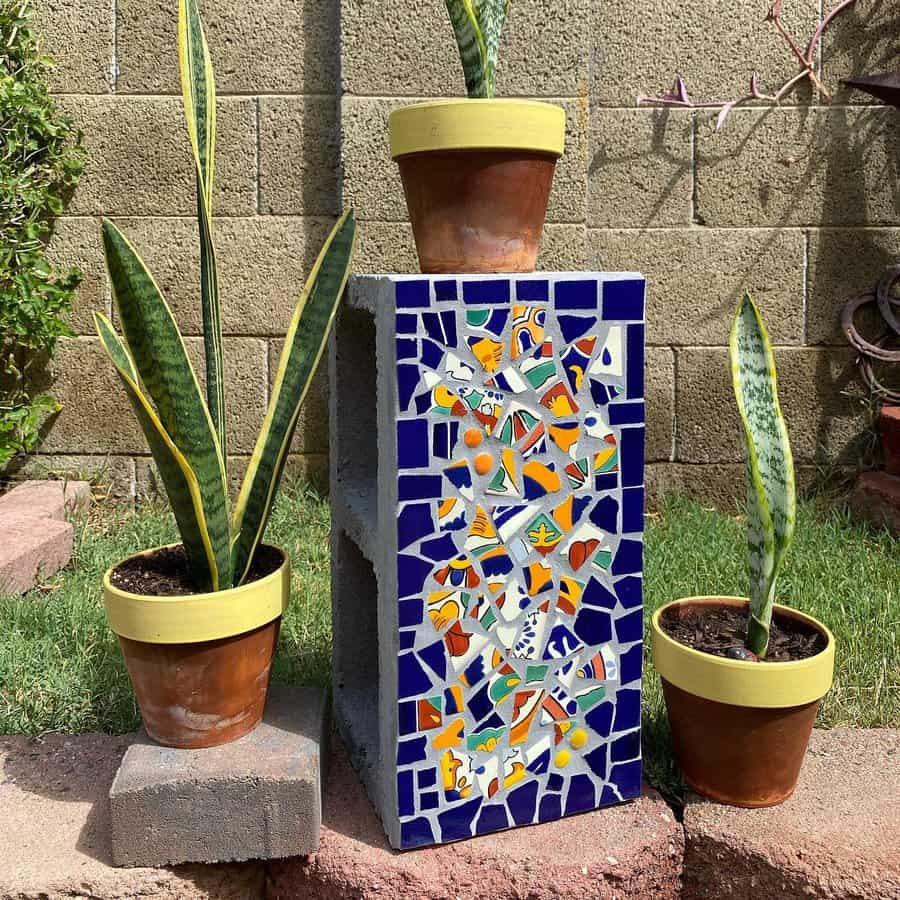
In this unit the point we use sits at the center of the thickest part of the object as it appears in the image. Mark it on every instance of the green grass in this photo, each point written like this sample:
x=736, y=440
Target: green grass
x=60, y=667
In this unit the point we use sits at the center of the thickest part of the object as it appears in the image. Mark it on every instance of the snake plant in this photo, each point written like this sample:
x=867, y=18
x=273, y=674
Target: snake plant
x=185, y=431
x=478, y=24
x=771, y=497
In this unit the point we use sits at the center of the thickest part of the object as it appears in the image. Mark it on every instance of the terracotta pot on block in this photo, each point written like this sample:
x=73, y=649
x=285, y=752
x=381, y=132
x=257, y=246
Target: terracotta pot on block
x=477, y=176
x=200, y=664
x=740, y=729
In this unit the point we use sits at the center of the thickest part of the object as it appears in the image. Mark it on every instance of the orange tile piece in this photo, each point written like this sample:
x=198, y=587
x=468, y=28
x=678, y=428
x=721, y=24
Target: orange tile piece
x=484, y=462
x=473, y=437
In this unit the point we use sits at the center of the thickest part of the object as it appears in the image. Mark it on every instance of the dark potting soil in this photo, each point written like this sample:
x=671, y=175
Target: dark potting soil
x=720, y=630
x=164, y=573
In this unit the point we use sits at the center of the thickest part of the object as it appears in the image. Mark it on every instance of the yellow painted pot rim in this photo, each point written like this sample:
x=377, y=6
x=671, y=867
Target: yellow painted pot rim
x=483, y=124
x=774, y=685
x=197, y=617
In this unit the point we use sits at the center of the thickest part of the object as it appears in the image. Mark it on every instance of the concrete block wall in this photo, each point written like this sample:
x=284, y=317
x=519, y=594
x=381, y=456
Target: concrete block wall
x=797, y=204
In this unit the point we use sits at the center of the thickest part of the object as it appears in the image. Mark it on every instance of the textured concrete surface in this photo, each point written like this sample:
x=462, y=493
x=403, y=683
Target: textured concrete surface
x=55, y=845
x=627, y=851
x=32, y=549
x=45, y=499
x=259, y=797
x=876, y=499
x=837, y=837
x=87, y=25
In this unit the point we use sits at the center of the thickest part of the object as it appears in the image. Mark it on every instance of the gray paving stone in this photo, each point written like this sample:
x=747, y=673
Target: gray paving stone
x=257, y=798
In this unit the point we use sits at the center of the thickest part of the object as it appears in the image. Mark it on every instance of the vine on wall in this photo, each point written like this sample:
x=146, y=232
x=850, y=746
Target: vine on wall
x=41, y=160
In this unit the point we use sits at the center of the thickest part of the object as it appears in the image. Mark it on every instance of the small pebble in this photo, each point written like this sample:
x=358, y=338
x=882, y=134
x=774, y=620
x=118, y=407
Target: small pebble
x=741, y=653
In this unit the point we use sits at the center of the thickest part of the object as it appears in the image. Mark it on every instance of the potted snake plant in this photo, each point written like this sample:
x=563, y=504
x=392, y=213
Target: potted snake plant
x=477, y=172
x=742, y=678
x=198, y=621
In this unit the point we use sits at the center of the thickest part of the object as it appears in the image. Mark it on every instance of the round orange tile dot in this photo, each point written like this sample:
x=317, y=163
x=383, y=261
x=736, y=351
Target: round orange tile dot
x=579, y=738
x=473, y=437
x=562, y=759
x=484, y=462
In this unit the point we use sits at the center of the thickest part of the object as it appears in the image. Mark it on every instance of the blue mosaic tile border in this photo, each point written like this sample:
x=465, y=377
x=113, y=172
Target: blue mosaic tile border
x=520, y=459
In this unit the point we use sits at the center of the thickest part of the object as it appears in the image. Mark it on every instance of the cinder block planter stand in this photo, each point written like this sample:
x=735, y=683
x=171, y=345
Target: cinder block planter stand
x=487, y=494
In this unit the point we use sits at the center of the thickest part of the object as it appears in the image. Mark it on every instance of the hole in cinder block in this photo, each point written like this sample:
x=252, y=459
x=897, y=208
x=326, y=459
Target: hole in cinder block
x=355, y=654
x=356, y=399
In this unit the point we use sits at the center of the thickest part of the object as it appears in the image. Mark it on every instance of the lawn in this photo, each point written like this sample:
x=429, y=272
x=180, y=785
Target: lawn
x=60, y=667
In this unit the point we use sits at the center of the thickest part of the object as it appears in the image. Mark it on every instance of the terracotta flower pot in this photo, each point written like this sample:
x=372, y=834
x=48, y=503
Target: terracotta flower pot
x=477, y=176
x=740, y=729
x=200, y=664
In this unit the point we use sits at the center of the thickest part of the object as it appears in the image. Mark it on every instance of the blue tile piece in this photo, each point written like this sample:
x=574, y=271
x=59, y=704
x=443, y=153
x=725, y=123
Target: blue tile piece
x=481, y=704
x=411, y=751
x=413, y=294
x=632, y=510
x=597, y=594
x=630, y=664
x=407, y=381
x=432, y=354
x=411, y=612
x=456, y=823
x=631, y=457
x=412, y=444
x=581, y=796
x=635, y=357
x=411, y=574
x=627, y=778
x=574, y=327
x=628, y=558
x=444, y=438
x=626, y=747
x=555, y=782
x=605, y=514
x=445, y=291
x=430, y=800
x=623, y=300
x=407, y=640
x=419, y=487
x=630, y=592
x=407, y=323
x=405, y=793
x=491, y=290
x=631, y=412
x=541, y=764
x=441, y=548
x=597, y=761
x=630, y=627
x=414, y=522
x=407, y=348
x=496, y=565
x=435, y=657
x=412, y=679
x=407, y=719
x=607, y=481
x=493, y=818
x=600, y=718
x=601, y=393
x=609, y=796
x=593, y=626
x=522, y=802
x=575, y=295
x=427, y=778
x=550, y=809
x=627, y=709
x=416, y=833
x=441, y=327
x=537, y=290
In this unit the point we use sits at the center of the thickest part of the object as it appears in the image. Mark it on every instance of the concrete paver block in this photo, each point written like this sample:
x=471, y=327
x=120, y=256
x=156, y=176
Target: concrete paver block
x=628, y=851
x=876, y=499
x=257, y=798
x=45, y=499
x=54, y=843
x=889, y=426
x=836, y=837
x=32, y=548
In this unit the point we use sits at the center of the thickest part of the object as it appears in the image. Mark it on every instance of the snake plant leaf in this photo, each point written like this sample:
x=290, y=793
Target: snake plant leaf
x=198, y=91
x=178, y=477
x=478, y=25
x=303, y=348
x=771, y=506
x=160, y=359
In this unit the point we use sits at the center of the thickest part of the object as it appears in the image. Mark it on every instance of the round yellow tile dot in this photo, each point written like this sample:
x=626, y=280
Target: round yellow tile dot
x=484, y=462
x=473, y=437
x=562, y=759
x=579, y=738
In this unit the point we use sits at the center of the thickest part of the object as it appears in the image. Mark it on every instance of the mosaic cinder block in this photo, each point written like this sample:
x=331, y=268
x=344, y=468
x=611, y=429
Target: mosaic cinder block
x=503, y=526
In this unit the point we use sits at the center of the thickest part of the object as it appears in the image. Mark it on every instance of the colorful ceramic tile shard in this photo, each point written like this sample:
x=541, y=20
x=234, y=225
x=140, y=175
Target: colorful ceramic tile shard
x=520, y=688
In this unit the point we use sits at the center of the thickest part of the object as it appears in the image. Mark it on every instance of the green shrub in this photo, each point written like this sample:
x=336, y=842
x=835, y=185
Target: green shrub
x=41, y=159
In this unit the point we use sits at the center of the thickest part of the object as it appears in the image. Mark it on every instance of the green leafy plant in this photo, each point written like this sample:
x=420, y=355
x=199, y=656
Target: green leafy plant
x=771, y=494
x=478, y=25
x=186, y=432
x=41, y=159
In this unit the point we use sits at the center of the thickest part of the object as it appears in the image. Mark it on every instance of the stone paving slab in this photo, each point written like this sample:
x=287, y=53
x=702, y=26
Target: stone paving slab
x=54, y=842
x=46, y=499
x=633, y=850
x=259, y=797
x=837, y=837
x=31, y=549
x=876, y=499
